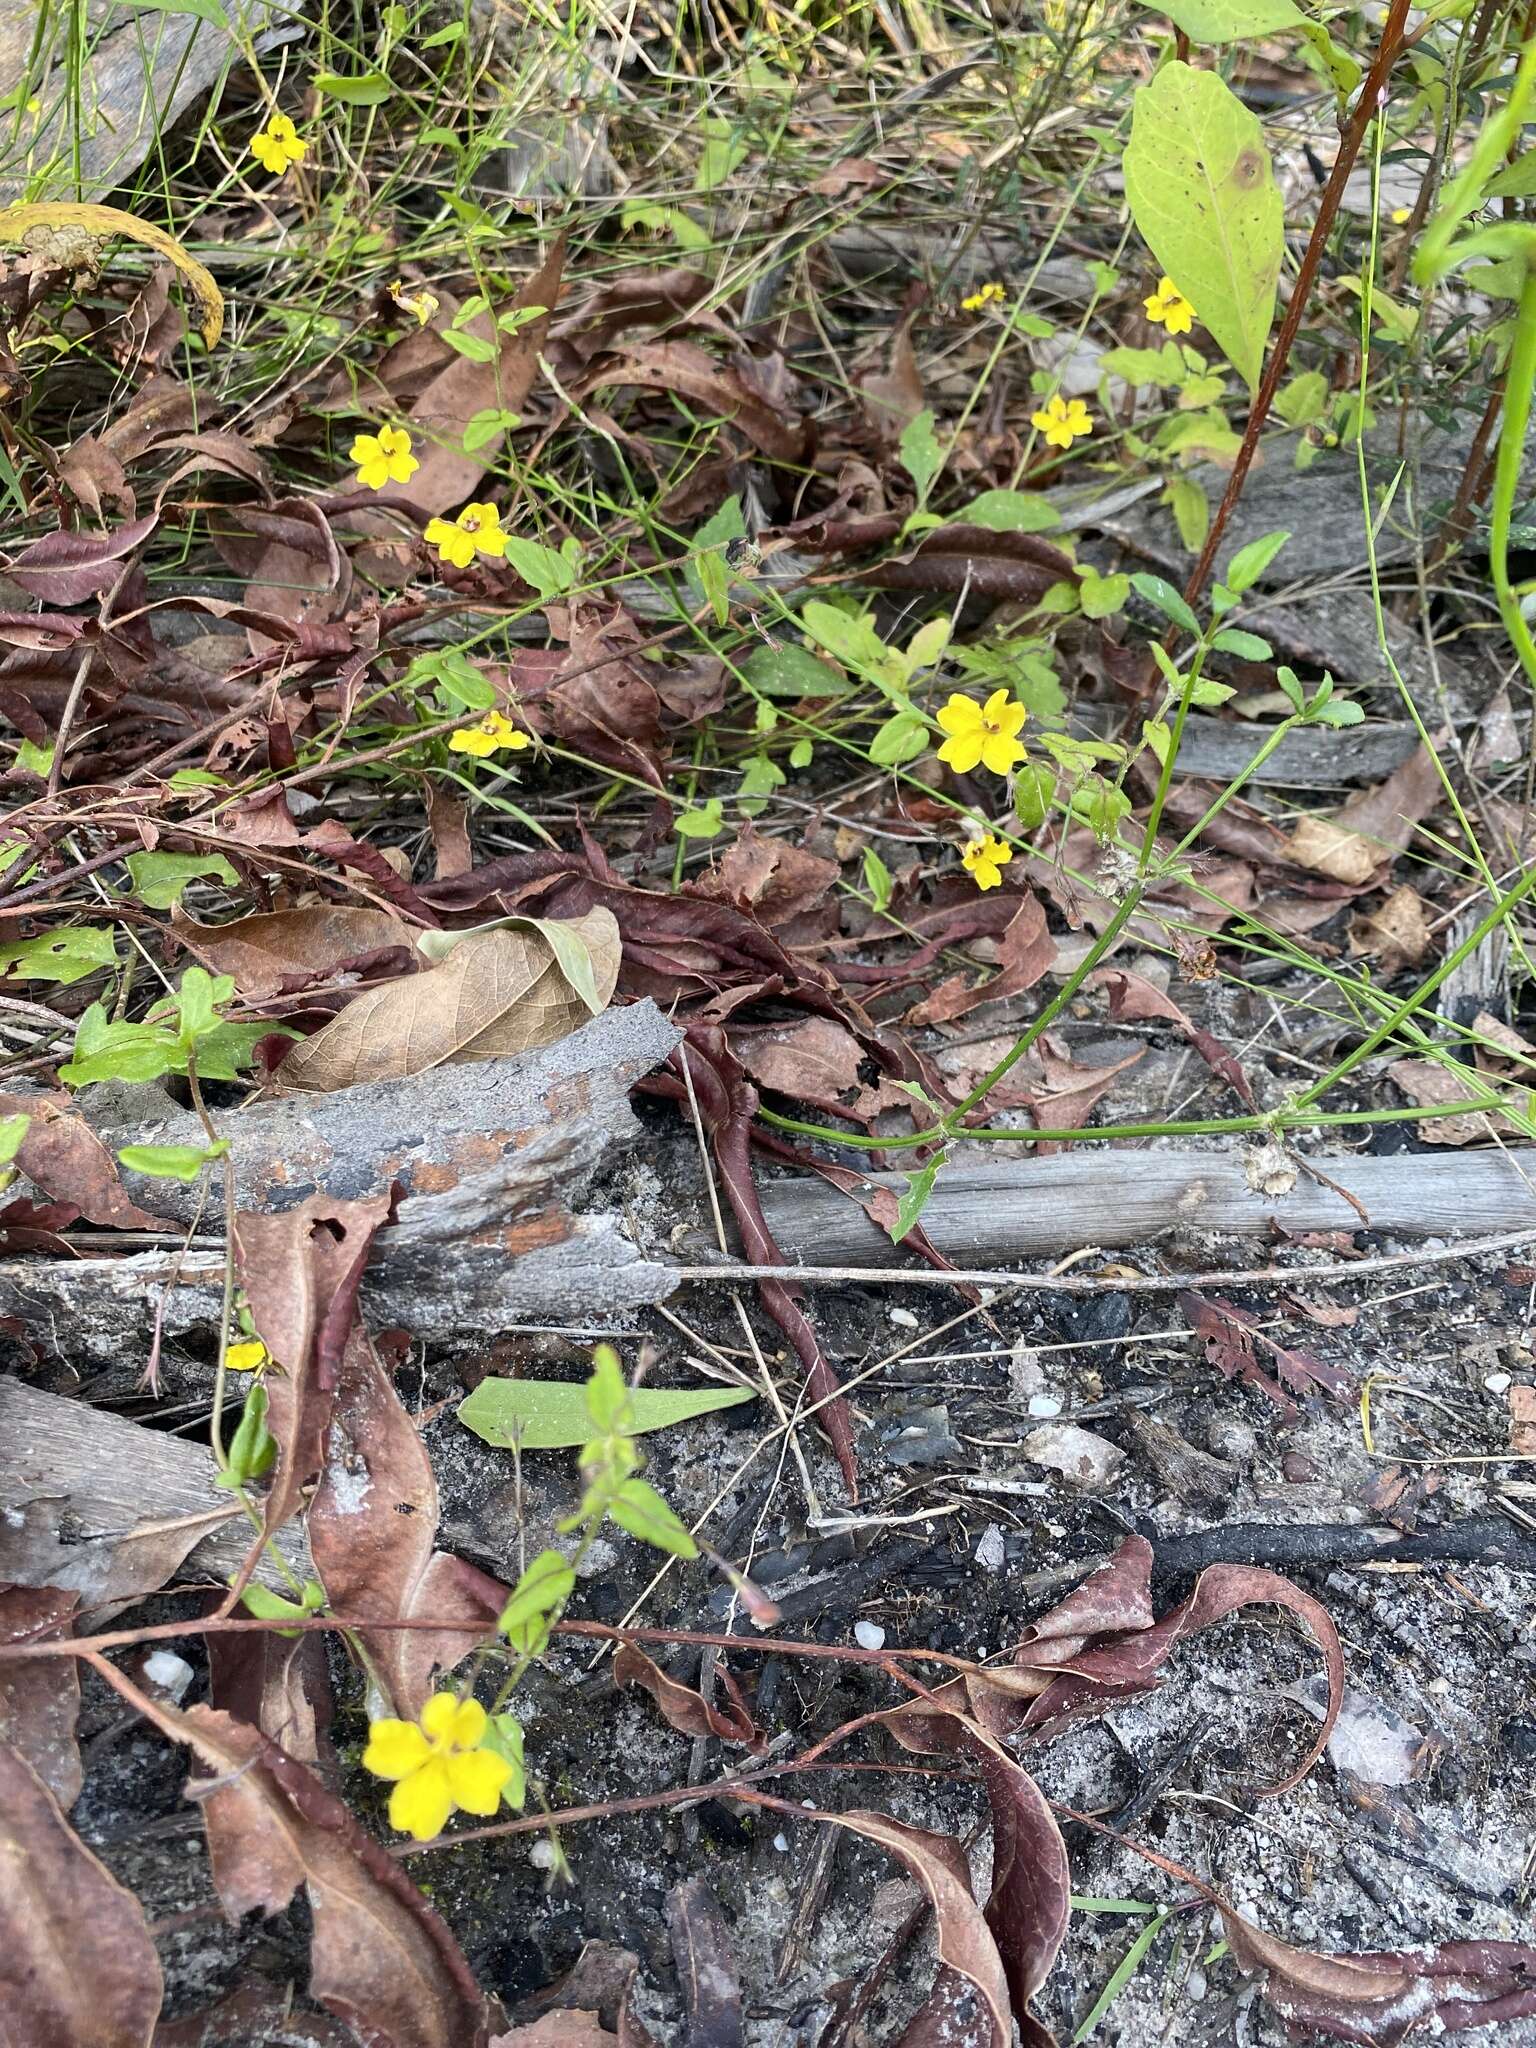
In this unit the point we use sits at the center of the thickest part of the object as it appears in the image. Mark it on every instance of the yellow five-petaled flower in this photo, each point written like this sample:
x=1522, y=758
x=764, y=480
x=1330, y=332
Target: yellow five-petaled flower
x=476, y=531
x=989, y=295
x=1062, y=420
x=437, y=1765
x=985, y=858
x=247, y=1356
x=384, y=458
x=1169, y=308
x=982, y=735
x=494, y=732
x=278, y=145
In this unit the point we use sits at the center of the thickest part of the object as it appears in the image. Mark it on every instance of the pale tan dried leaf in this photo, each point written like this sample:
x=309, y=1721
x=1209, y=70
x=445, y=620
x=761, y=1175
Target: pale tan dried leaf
x=1430, y=1085
x=497, y=993
x=1371, y=827
x=1397, y=934
x=262, y=952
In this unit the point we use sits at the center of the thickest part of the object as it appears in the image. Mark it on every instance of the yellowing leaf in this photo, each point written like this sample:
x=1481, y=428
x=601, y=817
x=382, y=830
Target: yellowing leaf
x=1227, y=21
x=552, y=1415
x=1203, y=195
x=101, y=222
x=497, y=993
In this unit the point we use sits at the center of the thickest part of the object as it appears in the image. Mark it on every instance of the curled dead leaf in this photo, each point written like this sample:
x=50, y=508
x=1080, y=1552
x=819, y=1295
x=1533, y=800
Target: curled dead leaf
x=498, y=992
x=683, y=1708
x=68, y=219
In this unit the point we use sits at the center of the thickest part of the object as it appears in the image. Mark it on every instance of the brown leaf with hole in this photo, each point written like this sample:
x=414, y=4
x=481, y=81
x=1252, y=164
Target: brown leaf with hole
x=382, y=1959
x=40, y=1698
x=439, y=417
x=66, y=1159
x=373, y=1532
x=1381, y=1998
x=816, y=1061
x=686, y=1710
x=280, y=949
x=78, y=1967
x=300, y=1272
x=497, y=993
x=1232, y=1339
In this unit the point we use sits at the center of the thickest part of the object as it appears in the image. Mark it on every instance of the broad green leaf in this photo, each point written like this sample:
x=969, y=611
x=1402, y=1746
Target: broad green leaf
x=1516, y=181
x=899, y=740
x=369, y=90
x=1203, y=195
x=704, y=822
x=761, y=776
x=1034, y=786
x=205, y=10
x=252, y=1448
x=1158, y=591
x=1250, y=562
x=1227, y=21
x=1246, y=646
x=1301, y=400
x=169, y=1162
x=1158, y=737
x=1191, y=511
x=12, y=1131
x=485, y=426
x=921, y=456
x=542, y=1590
x=1336, y=64
x=550, y=574
x=878, y=879
x=477, y=348
x=640, y=1509
x=160, y=878
x=926, y=646
x=1010, y=512
x=802, y=753
x=552, y=1415
x=1101, y=596
x=1291, y=686
x=854, y=642
x=63, y=956
x=790, y=670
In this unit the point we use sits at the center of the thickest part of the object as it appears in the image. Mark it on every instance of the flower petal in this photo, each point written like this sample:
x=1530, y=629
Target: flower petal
x=960, y=714
x=468, y=1730
x=420, y=1804
x=395, y=1749
x=476, y=1778
x=439, y=1716
x=1000, y=754
x=962, y=752
x=246, y=1357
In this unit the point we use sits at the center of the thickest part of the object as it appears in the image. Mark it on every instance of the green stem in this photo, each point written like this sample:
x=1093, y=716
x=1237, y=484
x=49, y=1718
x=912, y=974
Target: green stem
x=1170, y=755
x=1506, y=477
x=1219, y=803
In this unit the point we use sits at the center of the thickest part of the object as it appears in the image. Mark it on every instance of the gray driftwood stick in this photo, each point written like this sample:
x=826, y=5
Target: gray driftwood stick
x=991, y=1213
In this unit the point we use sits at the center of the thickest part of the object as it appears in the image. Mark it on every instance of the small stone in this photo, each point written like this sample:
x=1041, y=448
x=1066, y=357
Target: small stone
x=543, y=1855
x=781, y=1843
x=904, y=1319
x=1087, y=1460
x=869, y=1635
x=171, y=1673
x=990, y=1553
x=1439, y=1686
x=1498, y=1382
x=1024, y=1374
x=1044, y=1404
x=601, y=1556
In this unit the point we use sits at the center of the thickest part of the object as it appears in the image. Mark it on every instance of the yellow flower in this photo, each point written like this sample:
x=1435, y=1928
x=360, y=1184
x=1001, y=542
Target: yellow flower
x=1061, y=420
x=248, y=1356
x=1169, y=308
x=437, y=1765
x=488, y=737
x=1400, y=214
x=989, y=295
x=476, y=531
x=278, y=145
x=384, y=458
x=985, y=858
x=982, y=735
x=421, y=302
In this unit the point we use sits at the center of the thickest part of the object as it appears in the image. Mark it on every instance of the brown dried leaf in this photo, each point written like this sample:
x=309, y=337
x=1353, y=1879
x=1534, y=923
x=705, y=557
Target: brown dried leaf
x=1232, y=1336
x=686, y=1710
x=599, y=1985
x=280, y=949
x=1395, y=935
x=372, y=1532
x=287, y=557
x=40, y=1698
x=1380, y=1998
x=816, y=1061
x=66, y=1159
x=1132, y=997
x=1372, y=827
x=90, y=473
x=71, y=568
x=1522, y=1422
x=453, y=397
x=732, y=392
x=448, y=823
x=1431, y=1085
x=78, y=1967
x=1025, y=951
x=277, y=1681
x=769, y=878
x=498, y=992
x=382, y=1959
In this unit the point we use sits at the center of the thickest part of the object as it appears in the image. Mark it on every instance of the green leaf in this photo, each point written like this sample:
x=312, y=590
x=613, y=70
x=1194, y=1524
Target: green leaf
x=1034, y=786
x=550, y=574
x=878, y=879
x=1203, y=195
x=1101, y=596
x=854, y=642
x=12, y=1131
x=1227, y=21
x=1246, y=646
x=761, y=776
x=606, y=1395
x=459, y=683
x=268, y=1606
x=160, y=878
x=1250, y=562
x=170, y=1162
x=1191, y=511
x=483, y=427
x=540, y=1593
x=1515, y=181
x=252, y=1448
x=801, y=754
x=504, y=1738
x=640, y=1509
x=451, y=34
x=119, y=1051
x=198, y=999
x=62, y=956
x=1340, y=711
x=1158, y=591
x=205, y=10
x=899, y=740
x=1302, y=400
x=476, y=348
x=371, y=89
x=1289, y=683
x=553, y=1415
x=1010, y=512
x=921, y=456
x=789, y=670
x=703, y=822
x=715, y=582
x=914, y=1197
x=1158, y=737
